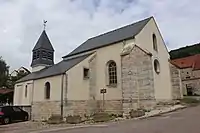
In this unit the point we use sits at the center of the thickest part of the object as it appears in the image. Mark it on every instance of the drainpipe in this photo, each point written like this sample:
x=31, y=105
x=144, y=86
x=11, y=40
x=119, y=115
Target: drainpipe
x=32, y=95
x=62, y=86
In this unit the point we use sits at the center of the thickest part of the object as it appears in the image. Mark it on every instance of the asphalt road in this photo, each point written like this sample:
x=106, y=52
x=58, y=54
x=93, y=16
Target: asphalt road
x=182, y=121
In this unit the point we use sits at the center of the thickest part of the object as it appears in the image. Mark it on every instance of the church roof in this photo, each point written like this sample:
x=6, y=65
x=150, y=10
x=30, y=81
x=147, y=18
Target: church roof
x=43, y=42
x=54, y=70
x=111, y=37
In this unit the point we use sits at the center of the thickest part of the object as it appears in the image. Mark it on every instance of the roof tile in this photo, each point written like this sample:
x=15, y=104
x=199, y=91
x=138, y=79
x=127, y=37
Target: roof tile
x=110, y=37
x=188, y=62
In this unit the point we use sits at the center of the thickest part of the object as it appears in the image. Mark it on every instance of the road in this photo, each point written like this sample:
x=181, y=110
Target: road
x=182, y=121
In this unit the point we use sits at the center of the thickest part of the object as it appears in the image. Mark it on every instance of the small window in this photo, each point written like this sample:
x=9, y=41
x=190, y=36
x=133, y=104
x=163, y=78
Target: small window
x=155, y=47
x=85, y=73
x=112, y=73
x=26, y=91
x=156, y=66
x=47, y=90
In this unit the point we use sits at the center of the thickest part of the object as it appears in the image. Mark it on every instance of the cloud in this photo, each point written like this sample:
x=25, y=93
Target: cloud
x=71, y=22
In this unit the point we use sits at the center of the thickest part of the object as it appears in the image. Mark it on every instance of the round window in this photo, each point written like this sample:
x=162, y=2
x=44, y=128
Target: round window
x=156, y=66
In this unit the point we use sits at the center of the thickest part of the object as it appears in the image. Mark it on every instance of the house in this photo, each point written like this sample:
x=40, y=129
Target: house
x=127, y=68
x=20, y=70
x=6, y=96
x=190, y=74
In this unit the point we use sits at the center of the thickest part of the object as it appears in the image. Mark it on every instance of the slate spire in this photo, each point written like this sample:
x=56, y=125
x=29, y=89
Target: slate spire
x=43, y=52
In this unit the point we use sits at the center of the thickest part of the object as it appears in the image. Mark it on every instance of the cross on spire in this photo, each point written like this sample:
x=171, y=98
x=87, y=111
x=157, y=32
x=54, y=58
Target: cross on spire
x=44, y=23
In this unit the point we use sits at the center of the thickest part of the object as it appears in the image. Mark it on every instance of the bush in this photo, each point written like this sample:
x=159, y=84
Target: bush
x=116, y=115
x=102, y=117
x=55, y=119
x=190, y=100
x=73, y=119
x=136, y=113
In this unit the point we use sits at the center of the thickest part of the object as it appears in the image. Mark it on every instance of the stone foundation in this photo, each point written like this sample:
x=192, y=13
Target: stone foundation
x=138, y=104
x=84, y=107
x=111, y=106
x=43, y=110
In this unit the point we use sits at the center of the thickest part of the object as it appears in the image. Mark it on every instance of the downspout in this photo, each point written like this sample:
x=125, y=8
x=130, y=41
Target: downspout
x=32, y=100
x=62, y=86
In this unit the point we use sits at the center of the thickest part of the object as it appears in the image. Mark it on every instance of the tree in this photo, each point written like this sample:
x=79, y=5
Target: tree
x=4, y=73
x=13, y=79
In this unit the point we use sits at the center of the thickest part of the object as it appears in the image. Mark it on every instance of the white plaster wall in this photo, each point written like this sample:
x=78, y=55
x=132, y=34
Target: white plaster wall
x=162, y=81
x=19, y=93
x=104, y=55
x=78, y=87
x=55, y=89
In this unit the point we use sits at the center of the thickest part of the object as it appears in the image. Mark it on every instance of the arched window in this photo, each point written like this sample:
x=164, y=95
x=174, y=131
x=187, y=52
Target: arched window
x=112, y=73
x=47, y=90
x=156, y=66
x=25, y=94
x=155, y=47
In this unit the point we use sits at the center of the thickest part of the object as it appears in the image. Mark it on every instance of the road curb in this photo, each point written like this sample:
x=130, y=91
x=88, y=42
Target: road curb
x=161, y=113
x=67, y=128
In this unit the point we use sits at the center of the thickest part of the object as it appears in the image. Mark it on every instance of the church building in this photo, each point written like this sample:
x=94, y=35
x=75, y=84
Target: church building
x=127, y=68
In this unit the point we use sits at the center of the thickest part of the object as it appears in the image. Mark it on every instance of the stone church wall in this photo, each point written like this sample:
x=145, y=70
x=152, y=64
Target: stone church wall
x=44, y=109
x=176, y=82
x=137, y=80
x=83, y=107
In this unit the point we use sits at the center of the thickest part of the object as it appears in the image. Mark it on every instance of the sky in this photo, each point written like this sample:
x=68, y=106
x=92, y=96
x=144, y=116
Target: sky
x=71, y=22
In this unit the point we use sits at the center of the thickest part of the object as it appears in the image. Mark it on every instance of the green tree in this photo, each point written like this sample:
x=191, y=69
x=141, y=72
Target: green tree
x=12, y=79
x=4, y=73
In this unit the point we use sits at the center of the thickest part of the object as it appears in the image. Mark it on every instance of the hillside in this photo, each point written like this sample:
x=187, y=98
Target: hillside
x=185, y=51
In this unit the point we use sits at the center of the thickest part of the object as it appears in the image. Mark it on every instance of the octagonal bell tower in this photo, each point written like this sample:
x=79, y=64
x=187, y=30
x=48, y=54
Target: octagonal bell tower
x=42, y=53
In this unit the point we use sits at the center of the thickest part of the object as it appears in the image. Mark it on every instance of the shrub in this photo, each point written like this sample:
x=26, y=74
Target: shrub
x=190, y=100
x=55, y=119
x=102, y=117
x=73, y=119
x=136, y=113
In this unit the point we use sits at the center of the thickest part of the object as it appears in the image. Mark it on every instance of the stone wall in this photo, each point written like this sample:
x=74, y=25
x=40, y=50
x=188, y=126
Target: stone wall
x=190, y=78
x=176, y=82
x=43, y=110
x=194, y=83
x=82, y=107
x=137, y=80
x=92, y=85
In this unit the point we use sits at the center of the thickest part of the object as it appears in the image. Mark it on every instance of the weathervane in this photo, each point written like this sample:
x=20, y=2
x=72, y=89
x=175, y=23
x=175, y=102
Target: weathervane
x=44, y=23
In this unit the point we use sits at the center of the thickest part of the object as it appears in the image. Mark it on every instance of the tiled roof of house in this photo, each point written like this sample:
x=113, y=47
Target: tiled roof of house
x=5, y=91
x=188, y=62
x=111, y=37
